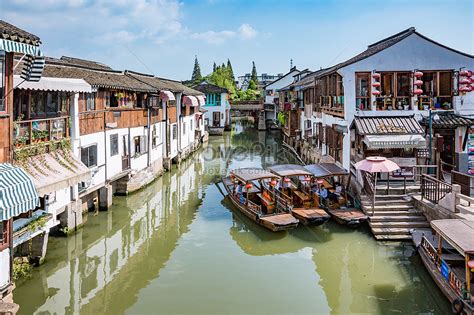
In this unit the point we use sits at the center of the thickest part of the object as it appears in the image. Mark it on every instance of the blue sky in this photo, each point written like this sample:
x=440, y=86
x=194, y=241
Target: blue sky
x=163, y=36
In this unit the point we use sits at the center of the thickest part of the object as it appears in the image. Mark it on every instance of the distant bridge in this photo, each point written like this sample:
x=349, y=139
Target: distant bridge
x=250, y=108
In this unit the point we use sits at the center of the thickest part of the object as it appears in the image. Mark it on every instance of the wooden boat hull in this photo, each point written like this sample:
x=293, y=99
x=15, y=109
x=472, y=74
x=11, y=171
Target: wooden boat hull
x=313, y=216
x=440, y=282
x=274, y=222
x=351, y=217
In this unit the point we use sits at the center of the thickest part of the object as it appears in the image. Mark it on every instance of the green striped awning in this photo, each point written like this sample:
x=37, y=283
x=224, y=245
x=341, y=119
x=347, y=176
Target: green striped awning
x=17, y=192
x=22, y=48
x=33, y=62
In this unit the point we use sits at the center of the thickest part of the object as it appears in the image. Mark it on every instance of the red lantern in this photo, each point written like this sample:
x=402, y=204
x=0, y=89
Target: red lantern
x=465, y=89
x=376, y=84
x=418, y=91
x=418, y=82
x=465, y=81
x=470, y=265
x=376, y=92
x=287, y=180
x=307, y=179
x=249, y=186
x=273, y=182
x=465, y=73
x=320, y=181
x=418, y=74
x=376, y=76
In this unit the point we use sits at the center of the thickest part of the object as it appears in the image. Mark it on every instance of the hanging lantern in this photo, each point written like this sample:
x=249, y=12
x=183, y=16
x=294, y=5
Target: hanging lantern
x=287, y=180
x=470, y=265
x=249, y=186
x=465, y=73
x=376, y=75
x=418, y=82
x=465, y=89
x=418, y=74
x=320, y=182
x=376, y=84
x=418, y=91
x=307, y=179
x=232, y=176
x=273, y=183
x=465, y=81
x=376, y=92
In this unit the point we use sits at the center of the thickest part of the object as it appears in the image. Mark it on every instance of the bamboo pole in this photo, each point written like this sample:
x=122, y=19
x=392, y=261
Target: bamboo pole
x=468, y=275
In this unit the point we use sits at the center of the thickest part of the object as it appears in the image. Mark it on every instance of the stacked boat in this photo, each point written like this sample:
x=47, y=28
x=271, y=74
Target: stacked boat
x=283, y=196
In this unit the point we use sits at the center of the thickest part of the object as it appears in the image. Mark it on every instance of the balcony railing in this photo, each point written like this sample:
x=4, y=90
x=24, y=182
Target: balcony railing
x=434, y=189
x=337, y=111
x=27, y=132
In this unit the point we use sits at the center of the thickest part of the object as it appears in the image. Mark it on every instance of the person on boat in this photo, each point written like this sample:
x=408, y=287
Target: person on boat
x=239, y=193
x=339, y=189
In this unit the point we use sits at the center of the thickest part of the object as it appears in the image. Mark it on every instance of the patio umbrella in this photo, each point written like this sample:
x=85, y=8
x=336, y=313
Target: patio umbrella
x=377, y=164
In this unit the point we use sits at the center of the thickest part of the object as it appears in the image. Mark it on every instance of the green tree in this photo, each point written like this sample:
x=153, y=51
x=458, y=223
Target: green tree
x=214, y=67
x=196, y=78
x=254, y=76
x=231, y=71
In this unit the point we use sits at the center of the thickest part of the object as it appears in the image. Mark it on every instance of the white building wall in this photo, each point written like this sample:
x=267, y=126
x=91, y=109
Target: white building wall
x=114, y=163
x=138, y=161
x=5, y=267
x=97, y=172
x=156, y=153
x=282, y=82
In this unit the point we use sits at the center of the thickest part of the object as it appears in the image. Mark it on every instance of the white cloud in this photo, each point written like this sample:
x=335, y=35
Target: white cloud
x=245, y=32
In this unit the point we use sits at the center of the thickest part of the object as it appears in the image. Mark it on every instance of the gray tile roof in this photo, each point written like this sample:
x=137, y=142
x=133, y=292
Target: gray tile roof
x=448, y=121
x=387, y=125
x=13, y=33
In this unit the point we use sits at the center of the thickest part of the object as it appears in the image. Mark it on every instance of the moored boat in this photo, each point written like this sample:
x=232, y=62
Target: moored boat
x=335, y=199
x=449, y=258
x=247, y=192
x=303, y=203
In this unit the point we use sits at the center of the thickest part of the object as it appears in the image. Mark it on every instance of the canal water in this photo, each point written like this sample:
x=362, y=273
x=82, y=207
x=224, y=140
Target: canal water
x=176, y=247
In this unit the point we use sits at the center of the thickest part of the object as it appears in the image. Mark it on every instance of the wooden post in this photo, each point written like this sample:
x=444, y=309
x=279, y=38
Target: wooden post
x=440, y=245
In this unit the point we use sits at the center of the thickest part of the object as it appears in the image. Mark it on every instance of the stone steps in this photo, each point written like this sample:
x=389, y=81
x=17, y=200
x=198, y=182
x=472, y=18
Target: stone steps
x=397, y=218
x=391, y=207
x=411, y=212
x=392, y=237
x=417, y=224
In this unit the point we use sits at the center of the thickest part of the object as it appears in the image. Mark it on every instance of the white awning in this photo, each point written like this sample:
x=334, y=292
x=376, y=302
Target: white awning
x=201, y=99
x=57, y=170
x=167, y=96
x=53, y=84
x=375, y=142
x=190, y=100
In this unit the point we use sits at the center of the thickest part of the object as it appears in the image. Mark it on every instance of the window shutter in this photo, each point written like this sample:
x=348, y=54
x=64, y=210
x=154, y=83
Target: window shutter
x=142, y=144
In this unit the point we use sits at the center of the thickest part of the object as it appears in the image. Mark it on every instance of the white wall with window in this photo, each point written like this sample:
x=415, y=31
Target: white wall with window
x=91, y=153
x=139, y=146
x=157, y=142
x=117, y=150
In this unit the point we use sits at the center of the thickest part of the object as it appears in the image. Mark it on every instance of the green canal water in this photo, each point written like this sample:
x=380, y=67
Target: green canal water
x=176, y=247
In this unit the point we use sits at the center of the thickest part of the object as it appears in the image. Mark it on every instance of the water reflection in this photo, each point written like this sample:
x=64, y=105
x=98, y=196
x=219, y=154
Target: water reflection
x=178, y=247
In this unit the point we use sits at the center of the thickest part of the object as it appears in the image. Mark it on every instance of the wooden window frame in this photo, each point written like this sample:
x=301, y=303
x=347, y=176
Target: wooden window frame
x=3, y=79
x=369, y=90
x=114, y=150
x=88, y=147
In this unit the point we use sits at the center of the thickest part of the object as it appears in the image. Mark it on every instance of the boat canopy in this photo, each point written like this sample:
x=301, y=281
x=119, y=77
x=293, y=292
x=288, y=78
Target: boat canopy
x=251, y=173
x=458, y=233
x=289, y=170
x=325, y=170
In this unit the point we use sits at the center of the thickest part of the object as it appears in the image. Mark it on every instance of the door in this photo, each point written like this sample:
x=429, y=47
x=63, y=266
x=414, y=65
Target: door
x=125, y=154
x=216, y=119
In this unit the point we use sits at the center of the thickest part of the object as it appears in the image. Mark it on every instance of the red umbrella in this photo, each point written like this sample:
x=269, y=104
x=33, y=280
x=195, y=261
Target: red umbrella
x=377, y=164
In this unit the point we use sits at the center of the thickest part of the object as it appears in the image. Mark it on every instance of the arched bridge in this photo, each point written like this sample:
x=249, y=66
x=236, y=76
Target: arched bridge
x=254, y=109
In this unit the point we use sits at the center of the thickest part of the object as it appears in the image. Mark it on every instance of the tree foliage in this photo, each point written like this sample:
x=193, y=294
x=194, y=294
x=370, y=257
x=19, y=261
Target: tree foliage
x=196, y=78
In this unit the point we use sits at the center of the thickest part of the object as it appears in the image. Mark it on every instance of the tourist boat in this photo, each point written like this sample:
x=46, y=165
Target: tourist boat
x=303, y=203
x=248, y=193
x=340, y=210
x=449, y=258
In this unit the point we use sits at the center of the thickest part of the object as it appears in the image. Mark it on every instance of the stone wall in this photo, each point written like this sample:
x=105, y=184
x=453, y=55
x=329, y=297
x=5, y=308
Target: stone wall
x=433, y=211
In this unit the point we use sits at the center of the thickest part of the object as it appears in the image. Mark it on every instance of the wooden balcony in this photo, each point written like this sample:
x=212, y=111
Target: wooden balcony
x=334, y=111
x=28, y=132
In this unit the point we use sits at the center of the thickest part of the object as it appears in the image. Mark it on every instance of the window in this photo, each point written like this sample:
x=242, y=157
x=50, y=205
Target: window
x=153, y=101
x=386, y=81
x=63, y=102
x=363, y=91
x=403, y=91
x=90, y=101
x=445, y=84
x=140, y=146
x=2, y=82
x=114, y=145
x=175, y=132
x=52, y=103
x=4, y=234
x=89, y=155
x=154, y=137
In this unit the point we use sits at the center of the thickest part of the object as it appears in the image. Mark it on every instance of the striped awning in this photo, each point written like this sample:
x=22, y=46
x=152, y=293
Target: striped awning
x=17, y=192
x=376, y=142
x=167, y=96
x=190, y=100
x=16, y=47
x=201, y=99
x=33, y=63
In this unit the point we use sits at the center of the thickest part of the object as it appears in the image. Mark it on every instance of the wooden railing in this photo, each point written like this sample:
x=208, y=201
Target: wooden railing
x=254, y=207
x=335, y=111
x=40, y=130
x=434, y=189
x=456, y=284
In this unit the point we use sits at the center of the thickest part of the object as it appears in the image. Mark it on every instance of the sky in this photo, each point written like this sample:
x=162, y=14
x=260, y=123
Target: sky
x=162, y=37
